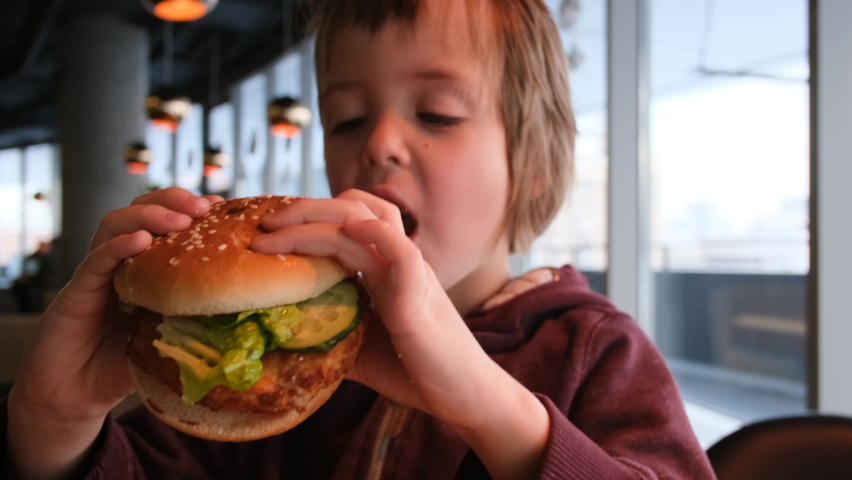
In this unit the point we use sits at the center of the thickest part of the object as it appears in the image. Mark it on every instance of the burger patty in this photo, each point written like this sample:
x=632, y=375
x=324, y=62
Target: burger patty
x=288, y=381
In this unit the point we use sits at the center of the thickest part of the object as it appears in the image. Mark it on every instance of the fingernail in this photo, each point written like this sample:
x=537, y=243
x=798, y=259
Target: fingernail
x=201, y=204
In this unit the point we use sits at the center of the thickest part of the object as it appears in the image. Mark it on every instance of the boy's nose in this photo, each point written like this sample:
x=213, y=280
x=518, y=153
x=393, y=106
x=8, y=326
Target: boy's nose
x=386, y=144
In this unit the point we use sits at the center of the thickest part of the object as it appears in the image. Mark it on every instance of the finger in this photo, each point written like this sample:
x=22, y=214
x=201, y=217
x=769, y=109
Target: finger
x=321, y=240
x=177, y=199
x=214, y=198
x=390, y=244
x=330, y=210
x=97, y=269
x=381, y=208
x=154, y=218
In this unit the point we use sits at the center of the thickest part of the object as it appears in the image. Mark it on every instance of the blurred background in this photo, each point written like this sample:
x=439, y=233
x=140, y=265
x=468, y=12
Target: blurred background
x=101, y=100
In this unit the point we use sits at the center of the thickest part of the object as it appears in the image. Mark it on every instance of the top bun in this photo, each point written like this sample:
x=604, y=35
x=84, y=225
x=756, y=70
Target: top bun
x=208, y=269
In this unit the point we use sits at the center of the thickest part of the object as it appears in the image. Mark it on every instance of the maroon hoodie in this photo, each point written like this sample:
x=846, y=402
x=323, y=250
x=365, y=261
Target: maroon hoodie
x=614, y=408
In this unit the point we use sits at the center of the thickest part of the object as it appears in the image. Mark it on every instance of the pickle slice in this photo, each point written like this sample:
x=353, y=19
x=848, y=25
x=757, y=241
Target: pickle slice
x=326, y=319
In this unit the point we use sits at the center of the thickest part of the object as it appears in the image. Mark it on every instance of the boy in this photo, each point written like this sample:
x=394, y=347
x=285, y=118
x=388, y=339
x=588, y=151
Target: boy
x=449, y=139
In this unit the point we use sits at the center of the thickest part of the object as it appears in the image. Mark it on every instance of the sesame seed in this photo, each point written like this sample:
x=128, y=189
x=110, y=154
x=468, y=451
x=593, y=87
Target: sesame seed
x=214, y=220
x=253, y=206
x=211, y=232
x=254, y=217
x=227, y=217
x=222, y=247
x=301, y=358
x=169, y=241
x=271, y=210
x=173, y=261
x=197, y=242
x=190, y=247
x=129, y=261
x=204, y=259
x=241, y=217
x=281, y=257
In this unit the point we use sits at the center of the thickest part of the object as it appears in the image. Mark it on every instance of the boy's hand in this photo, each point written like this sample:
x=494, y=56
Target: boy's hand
x=75, y=369
x=422, y=355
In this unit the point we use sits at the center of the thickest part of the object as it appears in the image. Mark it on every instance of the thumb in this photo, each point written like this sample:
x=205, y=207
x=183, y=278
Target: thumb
x=91, y=285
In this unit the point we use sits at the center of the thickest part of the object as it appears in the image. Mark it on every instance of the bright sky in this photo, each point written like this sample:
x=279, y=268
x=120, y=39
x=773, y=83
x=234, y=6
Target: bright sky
x=742, y=147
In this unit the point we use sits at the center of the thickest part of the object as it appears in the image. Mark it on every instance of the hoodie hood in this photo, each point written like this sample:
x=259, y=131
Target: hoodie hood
x=512, y=316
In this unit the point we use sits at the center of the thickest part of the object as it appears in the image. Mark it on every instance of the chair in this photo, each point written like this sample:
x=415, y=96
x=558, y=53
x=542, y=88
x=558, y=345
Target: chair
x=805, y=447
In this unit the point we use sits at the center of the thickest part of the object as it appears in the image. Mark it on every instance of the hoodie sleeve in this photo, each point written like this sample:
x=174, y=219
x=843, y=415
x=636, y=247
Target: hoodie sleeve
x=138, y=446
x=626, y=418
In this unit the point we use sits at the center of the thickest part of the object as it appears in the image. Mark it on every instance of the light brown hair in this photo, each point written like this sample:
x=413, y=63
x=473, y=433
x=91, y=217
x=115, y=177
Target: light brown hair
x=535, y=99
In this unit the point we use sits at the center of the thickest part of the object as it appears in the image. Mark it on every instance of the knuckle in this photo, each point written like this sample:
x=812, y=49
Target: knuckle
x=150, y=211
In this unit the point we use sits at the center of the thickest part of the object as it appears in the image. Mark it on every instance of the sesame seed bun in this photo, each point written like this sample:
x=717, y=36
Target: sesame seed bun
x=208, y=269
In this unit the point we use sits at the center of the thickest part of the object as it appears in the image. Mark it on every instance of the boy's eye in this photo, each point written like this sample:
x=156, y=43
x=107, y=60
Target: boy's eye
x=348, y=125
x=438, y=120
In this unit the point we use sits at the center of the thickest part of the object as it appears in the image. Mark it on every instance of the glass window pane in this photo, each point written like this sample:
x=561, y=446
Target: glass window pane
x=729, y=141
x=252, y=146
x=11, y=215
x=221, y=136
x=161, y=144
x=578, y=233
x=319, y=182
x=288, y=152
x=39, y=192
x=189, y=150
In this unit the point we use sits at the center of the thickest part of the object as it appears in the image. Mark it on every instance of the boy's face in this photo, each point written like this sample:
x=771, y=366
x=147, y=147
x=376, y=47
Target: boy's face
x=412, y=115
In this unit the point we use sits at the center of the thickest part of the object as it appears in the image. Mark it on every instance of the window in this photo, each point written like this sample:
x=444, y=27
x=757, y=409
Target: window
x=11, y=216
x=252, y=146
x=29, y=190
x=221, y=136
x=578, y=233
x=288, y=152
x=729, y=194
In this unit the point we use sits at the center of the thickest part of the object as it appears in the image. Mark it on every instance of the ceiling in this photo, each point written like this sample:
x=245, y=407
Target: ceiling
x=250, y=34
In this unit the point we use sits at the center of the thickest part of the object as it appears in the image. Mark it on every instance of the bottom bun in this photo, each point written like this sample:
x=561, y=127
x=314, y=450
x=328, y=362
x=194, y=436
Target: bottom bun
x=221, y=426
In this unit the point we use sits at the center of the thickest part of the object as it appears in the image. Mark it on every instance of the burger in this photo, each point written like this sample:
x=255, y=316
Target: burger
x=229, y=344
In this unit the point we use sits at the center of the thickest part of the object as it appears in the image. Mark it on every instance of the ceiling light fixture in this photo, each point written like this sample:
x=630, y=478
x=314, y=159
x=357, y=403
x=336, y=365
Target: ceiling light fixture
x=179, y=10
x=287, y=116
x=214, y=161
x=138, y=157
x=166, y=108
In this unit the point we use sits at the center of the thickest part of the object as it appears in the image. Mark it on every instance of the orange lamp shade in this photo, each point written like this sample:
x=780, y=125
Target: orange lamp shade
x=284, y=130
x=137, y=168
x=164, y=124
x=210, y=170
x=180, y=10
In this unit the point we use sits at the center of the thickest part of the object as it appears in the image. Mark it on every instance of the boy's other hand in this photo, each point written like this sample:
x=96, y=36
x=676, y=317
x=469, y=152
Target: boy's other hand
x=422, y=355
x=75, y=369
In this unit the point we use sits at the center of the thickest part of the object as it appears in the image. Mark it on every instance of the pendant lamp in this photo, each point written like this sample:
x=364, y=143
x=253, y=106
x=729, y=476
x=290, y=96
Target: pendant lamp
x=214, y=160
x=167, y=108
x=138, y=157
x=179, y=10
x=287, y=116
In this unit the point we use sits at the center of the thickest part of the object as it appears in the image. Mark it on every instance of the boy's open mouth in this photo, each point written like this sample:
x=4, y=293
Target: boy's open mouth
x=409, y=223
